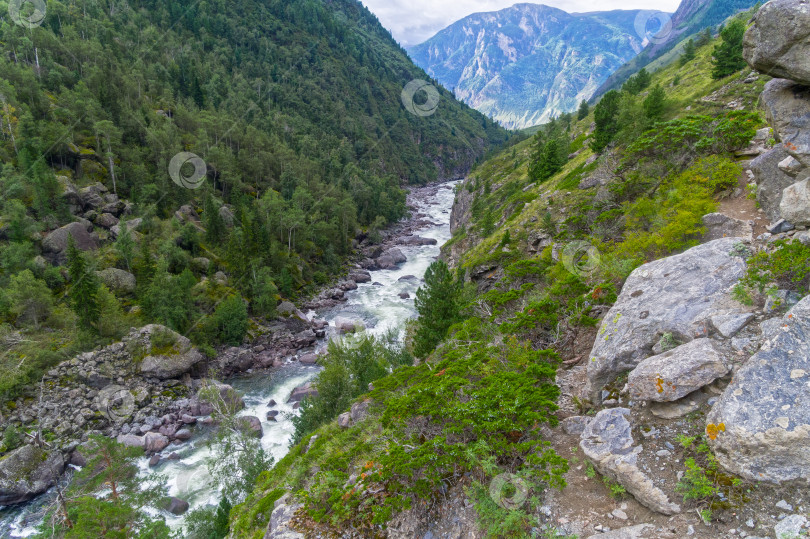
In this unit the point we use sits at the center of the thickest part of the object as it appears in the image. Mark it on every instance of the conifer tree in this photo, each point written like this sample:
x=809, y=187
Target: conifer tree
x=689, y=52
x=728, y=57
x=605, y=115
x=439, y=307
x=584, y=110
x=84, y=287
x=655, y=102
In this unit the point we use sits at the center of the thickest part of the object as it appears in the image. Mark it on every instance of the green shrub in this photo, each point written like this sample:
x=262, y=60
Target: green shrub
x=231, y=320
x=787, y=267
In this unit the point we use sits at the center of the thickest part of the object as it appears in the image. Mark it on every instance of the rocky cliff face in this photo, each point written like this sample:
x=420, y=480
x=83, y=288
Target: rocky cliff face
x=528, y=63
x=778, y=44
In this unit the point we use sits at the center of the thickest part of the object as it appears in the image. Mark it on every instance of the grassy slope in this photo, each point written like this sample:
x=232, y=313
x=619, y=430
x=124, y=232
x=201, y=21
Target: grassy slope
x=520, y=212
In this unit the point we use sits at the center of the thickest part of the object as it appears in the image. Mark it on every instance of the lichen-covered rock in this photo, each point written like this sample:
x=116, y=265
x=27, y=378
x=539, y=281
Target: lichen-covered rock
x=674, y=374
x=795, y=204
x=778, y=43
x=760, y=427
x=787, y=106
x=771, y=180
x=27, y=472
x=55, y=244
x=118, y=280
x=607, y=442
x=279, y=526
x=720, y=226
x=168, y=361
x=677, y=295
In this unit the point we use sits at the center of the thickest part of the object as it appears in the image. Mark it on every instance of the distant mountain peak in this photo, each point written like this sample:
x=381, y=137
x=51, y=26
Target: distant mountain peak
x=525, y=64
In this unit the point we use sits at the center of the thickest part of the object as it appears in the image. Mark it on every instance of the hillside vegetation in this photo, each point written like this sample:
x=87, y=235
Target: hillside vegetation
x=295, y=112
x=484, y=402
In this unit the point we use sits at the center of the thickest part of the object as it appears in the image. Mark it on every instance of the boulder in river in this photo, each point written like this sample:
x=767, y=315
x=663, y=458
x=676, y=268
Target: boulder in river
x=390, y=259
x=253, y=425
x=175, y=506
x=301, y=392
x=27, y=472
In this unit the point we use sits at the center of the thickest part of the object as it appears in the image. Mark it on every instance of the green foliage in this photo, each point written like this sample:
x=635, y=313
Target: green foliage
x=655, y=103
x=583, y=111
x=433, y=436
x=439, y=308
x=496, y=521
x=695, y=484
x=231, y=321
x=84, y=287
x=30, y=299
x=682, y=140
x=638, y=82
x=728, y=55
x=208, y=522
x=550, y=152
x=689, y=52
x=237, y=457
x=82, y=512
x=605, y=114
x=348, y=368
x=786, y=267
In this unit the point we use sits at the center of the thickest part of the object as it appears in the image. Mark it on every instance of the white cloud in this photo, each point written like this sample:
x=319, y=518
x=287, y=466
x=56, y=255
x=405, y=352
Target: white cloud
x=414, y=21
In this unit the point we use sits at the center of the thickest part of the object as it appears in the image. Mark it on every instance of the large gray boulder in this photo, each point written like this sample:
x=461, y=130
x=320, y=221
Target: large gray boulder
x=280, y=525
x=778, y=44
x=117, y=280
x=55, y=244
x=608, y=443
x=27, y=472
x=795, y=204
x=720, y=226
x=678, y=295
x=787, y=106
x=760, y=427
x=390, y=259
x=771, y=181
x=168, y=361
x=301, y=392
x=678, y=372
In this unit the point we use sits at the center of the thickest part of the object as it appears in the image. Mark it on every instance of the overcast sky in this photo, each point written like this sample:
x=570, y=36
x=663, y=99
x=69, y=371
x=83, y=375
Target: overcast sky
x=414, y=21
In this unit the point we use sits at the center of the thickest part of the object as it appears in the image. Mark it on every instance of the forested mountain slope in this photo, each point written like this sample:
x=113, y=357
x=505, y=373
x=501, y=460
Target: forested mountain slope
x=528, y=63
x=297, y=112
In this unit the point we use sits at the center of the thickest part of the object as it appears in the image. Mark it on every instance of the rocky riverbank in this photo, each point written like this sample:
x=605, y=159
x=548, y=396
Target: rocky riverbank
x=144, y=390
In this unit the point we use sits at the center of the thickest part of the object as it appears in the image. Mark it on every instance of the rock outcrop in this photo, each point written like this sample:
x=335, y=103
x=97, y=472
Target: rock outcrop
x=607, y=442
x=771, y=180
x=787, y=106
x=55, y=244
x=719, y=226
x=678, y=372
x=176, y=360
x=778, y=43
x=760, y=428
x=27, y=472
x=678, y=296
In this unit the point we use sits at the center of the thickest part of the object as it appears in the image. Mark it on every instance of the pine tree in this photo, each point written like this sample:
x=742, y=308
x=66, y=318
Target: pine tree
x=584, y=110
x=84, y=287
x=439, y=307
x=689, y=52
x=655, y=102
x=728, y=57
x=605, y=115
